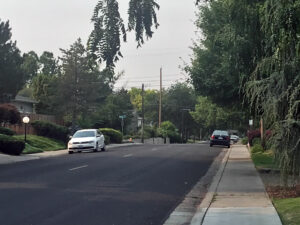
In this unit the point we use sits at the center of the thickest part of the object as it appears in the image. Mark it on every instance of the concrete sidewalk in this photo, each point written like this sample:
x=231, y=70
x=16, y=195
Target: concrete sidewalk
x=240, y=197
x=7, y=159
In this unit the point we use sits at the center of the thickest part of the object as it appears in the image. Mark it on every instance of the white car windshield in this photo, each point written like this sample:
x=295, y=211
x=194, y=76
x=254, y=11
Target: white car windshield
x=80, y=134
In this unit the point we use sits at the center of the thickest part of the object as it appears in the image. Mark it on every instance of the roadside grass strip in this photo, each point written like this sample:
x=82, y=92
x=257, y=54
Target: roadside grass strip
x=288, y=210
x=36, y=144
x=264, y=159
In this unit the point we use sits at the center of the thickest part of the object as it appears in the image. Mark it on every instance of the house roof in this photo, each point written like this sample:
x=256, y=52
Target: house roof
x=20, y=98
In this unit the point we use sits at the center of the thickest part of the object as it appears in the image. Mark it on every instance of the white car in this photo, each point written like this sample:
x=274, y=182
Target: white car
x=84, y=140
x=234, y=138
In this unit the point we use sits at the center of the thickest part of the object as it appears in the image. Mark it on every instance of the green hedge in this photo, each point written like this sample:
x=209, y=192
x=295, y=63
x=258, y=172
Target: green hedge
x=245, y=141
x=6, y=131
x=51, y=130
x=115, y=136
x=11, y=145
x=106, y=139
x=257, y=148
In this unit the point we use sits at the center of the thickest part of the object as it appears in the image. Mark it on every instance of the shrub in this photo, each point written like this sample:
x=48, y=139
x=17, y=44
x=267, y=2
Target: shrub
x=169, y=130
x=11, y=145
x=115, y=136
x=106, y=139
x=51, y=130
x=257, y=148
x=256, y=141
x=6, y=131
x=245, y=140
x=9, y=114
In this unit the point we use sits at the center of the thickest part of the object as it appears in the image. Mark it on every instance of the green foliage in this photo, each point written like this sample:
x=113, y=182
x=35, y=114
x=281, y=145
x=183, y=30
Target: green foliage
x=209, y=116
x=250, y=50
x=245, y=141
x=288, y=210
x=168, y=129
x=104, y=42
x=106, y=139
x=177, y=101
x=116, y=104
x=12, y=76
x=115, y=136
x=11, y=145
x=35, y=144
x=6, y=131
x=44, y=91
x=273, y=89
x=256, y=141
x=51, y=130
x=30, y=64
x=264, y=159
x=257, y=148
x=48, y=63
x=142, y=17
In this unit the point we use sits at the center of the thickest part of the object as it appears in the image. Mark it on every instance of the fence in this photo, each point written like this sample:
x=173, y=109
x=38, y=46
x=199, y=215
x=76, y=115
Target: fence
x=20, y=128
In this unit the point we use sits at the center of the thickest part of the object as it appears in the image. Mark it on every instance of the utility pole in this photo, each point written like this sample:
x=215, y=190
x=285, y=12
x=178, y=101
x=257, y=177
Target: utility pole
x=160, y=99
x=143, y=112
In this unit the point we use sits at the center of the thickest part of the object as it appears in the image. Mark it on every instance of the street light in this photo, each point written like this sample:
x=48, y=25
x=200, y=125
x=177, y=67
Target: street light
x=25, y=121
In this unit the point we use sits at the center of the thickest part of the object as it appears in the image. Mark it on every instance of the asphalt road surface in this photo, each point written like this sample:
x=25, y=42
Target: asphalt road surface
x=136, y=185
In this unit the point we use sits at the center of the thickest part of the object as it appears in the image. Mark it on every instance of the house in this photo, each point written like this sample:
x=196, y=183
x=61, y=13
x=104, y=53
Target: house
x=24, y=104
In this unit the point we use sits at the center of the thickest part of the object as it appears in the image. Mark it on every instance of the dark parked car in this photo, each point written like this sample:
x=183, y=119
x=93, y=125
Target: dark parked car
x=220, y=137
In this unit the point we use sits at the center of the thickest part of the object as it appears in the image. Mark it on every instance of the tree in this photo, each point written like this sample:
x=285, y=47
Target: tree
x=30, y=65
x=12, y=77
x=9, y=114
x=228, y=50
x=45, y=91
x=48, y=64
x=274, y=86
x=150, y=104
x=168, y=130
x=116, y=104
x=104, y=42
x=177, y=101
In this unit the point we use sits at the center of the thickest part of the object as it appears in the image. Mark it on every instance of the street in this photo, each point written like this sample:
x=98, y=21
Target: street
x=136, y=185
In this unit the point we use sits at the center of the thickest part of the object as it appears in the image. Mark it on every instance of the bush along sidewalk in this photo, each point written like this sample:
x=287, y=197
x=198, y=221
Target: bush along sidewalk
x=51, y=130
x=115, y=136
x=11, y=145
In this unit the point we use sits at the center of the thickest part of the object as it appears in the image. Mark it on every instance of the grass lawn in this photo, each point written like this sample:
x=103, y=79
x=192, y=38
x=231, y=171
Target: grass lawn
x=288, y=210
x=35, y=144
x=264, y=159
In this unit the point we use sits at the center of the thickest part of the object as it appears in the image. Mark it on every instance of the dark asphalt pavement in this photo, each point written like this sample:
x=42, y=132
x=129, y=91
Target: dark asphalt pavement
x=136, y=185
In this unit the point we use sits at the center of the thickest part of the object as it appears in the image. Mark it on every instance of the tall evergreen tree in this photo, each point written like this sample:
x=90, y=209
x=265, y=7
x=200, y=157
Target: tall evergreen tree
x=12, y=77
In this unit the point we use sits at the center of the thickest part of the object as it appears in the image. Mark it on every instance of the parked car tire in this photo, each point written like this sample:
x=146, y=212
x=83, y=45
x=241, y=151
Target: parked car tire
x=97, y=146
x=103, y=149
x=70, y=152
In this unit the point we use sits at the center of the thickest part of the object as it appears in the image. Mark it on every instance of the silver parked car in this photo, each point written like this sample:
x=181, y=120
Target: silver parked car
x=86, y=140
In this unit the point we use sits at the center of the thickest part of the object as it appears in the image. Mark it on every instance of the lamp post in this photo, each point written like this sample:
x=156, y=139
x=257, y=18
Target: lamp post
x=25, y=121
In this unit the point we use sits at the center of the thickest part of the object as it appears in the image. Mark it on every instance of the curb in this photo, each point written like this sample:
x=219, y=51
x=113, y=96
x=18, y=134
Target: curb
x=9, y=159
x=189, y=210
x=202, y=209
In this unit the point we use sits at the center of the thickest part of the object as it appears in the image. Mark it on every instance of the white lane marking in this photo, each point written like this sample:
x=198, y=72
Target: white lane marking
x=154, y=149
x=80, y=167
x=126, y=156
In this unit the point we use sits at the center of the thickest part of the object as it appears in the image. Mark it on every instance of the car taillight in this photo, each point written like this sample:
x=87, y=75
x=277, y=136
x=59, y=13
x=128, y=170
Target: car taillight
x=212, y=137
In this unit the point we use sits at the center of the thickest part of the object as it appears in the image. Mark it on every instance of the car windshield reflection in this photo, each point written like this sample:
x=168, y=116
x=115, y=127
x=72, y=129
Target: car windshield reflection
x=84, y=134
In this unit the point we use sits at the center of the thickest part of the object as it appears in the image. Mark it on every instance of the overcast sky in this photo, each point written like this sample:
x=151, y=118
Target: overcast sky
x=47, y=25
